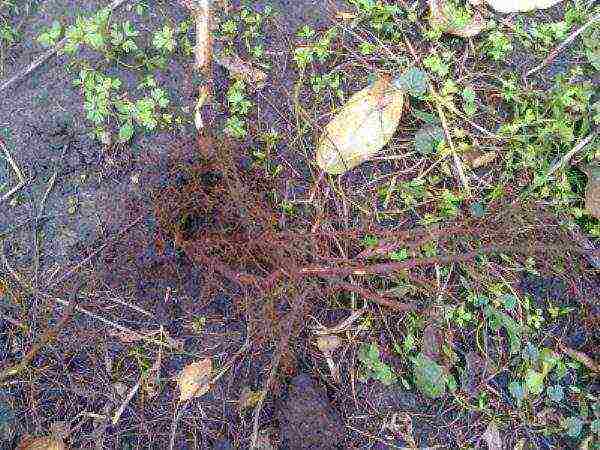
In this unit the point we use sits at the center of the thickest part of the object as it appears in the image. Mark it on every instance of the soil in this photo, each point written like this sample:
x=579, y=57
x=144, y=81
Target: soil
x=143, y=280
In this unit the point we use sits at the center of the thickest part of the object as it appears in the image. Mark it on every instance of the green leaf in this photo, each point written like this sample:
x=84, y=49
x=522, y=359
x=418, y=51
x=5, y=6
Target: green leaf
x=369, y=356
x=517, y=390
x=499, y=319
x=129, y=30
x=595, y=426
x=573, y=426
x=555, y=393
x=56, y=30
x=429, y=376
x=549, y=359
x=50, y=37
x=426, y=117
x=413, y=81
x=126, y=132
x=509, y=301
x=428, y=138
x=591, y=43
x=95, y=40
x=534, y=382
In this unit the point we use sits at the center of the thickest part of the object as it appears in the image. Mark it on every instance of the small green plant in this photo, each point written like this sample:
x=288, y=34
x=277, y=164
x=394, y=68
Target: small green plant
x=549, y=33
x=330, y=81
x=497, y=45
x=318, y=51
x=92, y=32
x=498, y=319
x=380, y=16
x=50, y=37
x=121, y=37
x=537, y=365
x=373, y=367
x=239, y=107
x=437, y=65
x=164, y=40
x=461, y=316
x=469, y=97
x=104, y=102
x=429, y=377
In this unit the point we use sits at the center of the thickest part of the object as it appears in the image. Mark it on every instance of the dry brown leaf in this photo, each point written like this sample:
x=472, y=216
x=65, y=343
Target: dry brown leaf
x=492, y=437
x=327, y=345
x=193, y=380
x=361, y=128
x=439, y=17
x=508, y=6
x=479, y=159
x=242, y=70
x=581, y=357
x=41, y=443
x=126, y=337
x=592, y=190
x=475, y=373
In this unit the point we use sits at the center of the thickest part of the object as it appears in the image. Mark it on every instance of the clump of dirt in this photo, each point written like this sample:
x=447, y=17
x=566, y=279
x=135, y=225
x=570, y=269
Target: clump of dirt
x=307, y=419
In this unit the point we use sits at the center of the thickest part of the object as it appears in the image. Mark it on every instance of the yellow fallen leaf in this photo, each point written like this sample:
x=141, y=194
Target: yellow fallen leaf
x=508, y=6
x=41, y=443
x=520, y=445
x=441, y=16
x=345, y=16
x=361, y=128
x=193, y=379
x=249, y=398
